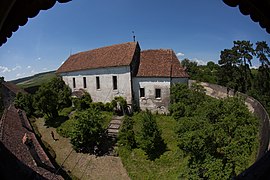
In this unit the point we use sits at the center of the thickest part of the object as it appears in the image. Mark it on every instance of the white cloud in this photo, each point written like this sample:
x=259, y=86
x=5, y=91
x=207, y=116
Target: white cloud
x=254, y=67
x=200, y=61
x=39, y=58
x=20, y=74
x=44, y=69
x=28, y=67
x=180, y=54
x=4, y=69
x=16, y=67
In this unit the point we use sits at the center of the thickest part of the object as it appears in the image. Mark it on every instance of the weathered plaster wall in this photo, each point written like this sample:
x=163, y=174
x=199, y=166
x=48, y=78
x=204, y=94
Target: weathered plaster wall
x=149, y=101
x=106, y=92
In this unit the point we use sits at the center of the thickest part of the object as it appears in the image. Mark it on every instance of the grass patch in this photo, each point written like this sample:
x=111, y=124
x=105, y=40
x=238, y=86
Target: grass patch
x=107, y=117
x=168, y=166
x=36, y=80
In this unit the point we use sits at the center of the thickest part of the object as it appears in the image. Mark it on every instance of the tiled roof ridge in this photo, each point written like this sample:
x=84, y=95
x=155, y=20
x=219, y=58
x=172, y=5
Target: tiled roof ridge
x=107, y=56
x=100, y=48
x=160, y=49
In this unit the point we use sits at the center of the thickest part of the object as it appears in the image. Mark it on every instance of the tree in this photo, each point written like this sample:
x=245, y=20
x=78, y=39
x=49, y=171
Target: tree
x=150, y=137
x=52, y=97
x=25, y=102
x=84, y=102
x=88, y=129
x=127, y=135
x=262, y=52
x=220, y=138
x=190, y=66
x=229, y=72
x=184, y=101
x=245, y=53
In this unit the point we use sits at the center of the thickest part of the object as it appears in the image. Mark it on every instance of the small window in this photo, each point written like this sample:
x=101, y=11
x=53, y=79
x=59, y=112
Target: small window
x=158, y=93
x=142, y=94
x=114, y=82
x=97, y=83
x=84, y=82
x=74, y=83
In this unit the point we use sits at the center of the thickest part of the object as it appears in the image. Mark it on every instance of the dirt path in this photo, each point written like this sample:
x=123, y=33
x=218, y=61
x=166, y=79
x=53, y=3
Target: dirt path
x=82, y=166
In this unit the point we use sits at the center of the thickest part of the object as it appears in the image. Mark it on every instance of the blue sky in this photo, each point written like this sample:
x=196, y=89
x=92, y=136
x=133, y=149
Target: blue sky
x=197, y=30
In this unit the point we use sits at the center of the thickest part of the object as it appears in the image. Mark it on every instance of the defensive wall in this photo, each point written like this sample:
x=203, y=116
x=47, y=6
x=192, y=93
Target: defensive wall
x=254, y=106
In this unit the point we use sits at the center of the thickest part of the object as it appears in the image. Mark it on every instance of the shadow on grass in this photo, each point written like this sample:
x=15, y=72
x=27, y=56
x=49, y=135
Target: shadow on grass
x=55, y=122
x=104, y=148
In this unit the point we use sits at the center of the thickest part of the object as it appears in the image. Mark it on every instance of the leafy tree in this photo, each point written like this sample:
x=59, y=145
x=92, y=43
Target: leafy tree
x=150, y=137
x=245, y=53
x=120, y=105
x=229, y=72
x=220, y=138
x=52, y=97
x=127, y=135
x=83, y=103
x=25, y=102
x=184, y=101
x=262, y=52
x=190, y=66
x=88, y=129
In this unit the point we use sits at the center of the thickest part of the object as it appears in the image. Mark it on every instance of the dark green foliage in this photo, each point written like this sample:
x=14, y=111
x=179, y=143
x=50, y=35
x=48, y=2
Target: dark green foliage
x=126, y=134
x=83, y=103
x=120, y=105
x=88, y=129
x=25, y=102
x=150, y=139
x=52, y=97
x=197, y=72
x=184, y=101
x=219, y=138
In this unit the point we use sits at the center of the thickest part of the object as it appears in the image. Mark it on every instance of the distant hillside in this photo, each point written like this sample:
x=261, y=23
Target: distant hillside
x=35, y=80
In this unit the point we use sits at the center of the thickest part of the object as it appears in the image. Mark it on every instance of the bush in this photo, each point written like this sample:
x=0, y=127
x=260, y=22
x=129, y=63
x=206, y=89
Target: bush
x=88, y=129
x=150, y=137
x=126, y=134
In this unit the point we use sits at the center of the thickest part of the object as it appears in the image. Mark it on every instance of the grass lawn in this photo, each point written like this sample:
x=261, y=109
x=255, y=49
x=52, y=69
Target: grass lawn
x=168, y=166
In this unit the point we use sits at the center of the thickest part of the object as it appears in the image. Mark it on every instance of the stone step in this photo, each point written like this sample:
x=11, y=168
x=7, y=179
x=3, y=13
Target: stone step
x=114, y=126
x=113, y=131
x=116, y=121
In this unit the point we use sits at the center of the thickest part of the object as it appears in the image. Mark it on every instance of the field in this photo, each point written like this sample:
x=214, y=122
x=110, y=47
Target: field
x=34, y=81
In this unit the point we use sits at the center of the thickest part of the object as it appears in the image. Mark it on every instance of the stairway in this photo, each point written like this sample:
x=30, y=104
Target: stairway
x=114, y=126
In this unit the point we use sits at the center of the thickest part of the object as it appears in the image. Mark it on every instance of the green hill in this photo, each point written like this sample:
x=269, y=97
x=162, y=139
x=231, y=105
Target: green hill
x=33, y=82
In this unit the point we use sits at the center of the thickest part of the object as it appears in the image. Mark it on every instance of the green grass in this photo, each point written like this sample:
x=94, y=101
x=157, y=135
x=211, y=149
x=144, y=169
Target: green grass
x=37, y=80
x=168, y=166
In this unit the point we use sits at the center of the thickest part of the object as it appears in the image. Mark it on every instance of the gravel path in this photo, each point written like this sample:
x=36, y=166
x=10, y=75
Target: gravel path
x=82, y=166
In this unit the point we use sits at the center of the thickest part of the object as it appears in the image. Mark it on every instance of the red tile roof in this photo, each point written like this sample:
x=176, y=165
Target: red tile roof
x=160, y=63
x=14, y=88
x=110, y=56
x=13, y=127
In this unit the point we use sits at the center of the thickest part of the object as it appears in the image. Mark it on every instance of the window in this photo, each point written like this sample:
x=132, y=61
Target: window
x=97, y=83
x=142, y=94
x=84, y=82
x=74, y=83
x=114, y=82
x=158, y=93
